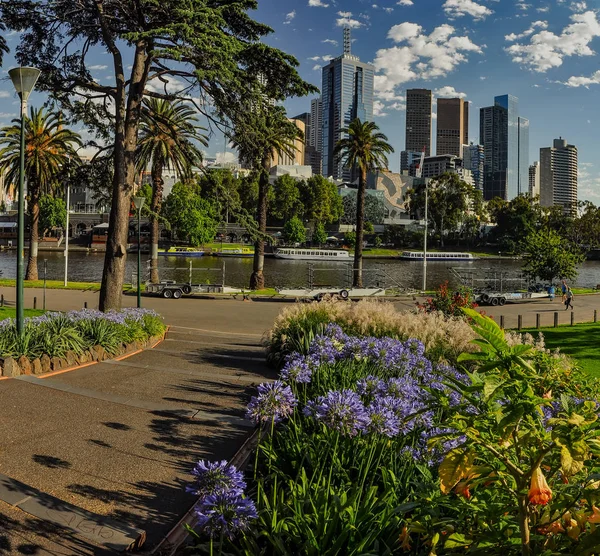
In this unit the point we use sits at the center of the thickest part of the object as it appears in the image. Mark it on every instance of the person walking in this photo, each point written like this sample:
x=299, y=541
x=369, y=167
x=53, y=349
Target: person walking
x=569, y=298
x=551, y=292
x=564, y=287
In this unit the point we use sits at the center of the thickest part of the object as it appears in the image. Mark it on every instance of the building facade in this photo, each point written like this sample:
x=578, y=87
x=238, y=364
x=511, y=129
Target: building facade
x=505, y=138
x=558, y=176
x=346, y=94
x=534, y=179
x=474, y=160
x=418, y=120
x=315, y=138
x=452, y=126
x=298, y=154
x=409, y=161
x=434, y=166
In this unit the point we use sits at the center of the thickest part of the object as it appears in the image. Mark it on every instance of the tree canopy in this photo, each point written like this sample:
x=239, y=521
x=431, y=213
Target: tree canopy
x=53, y=213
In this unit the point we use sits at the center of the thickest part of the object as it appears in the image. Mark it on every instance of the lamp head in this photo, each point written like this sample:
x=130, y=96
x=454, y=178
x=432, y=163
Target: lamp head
x=138, y=202
x=24, y=80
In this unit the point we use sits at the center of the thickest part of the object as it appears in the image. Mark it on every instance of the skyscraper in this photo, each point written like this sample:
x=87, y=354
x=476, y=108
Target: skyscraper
x=505, y=138
x=418, y=120
x=316, y=115
x=558, y=176
x=346, y=94
x=474, y=160
x=534, y=179
x=452, y=126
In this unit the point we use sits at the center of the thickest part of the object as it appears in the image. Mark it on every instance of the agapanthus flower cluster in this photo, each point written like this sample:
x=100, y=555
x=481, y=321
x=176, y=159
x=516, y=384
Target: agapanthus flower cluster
x=341, y=410
x=297, y=369
x=274, y=403
x=382, y=419
x=222, y=508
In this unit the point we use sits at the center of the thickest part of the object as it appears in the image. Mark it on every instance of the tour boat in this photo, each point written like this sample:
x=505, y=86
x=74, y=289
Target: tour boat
x=182, y=252
x=235, y=252
x=436, y=256
x=299, y=254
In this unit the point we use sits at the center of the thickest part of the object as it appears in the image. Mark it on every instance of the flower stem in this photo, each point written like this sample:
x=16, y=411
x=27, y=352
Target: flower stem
x=524, y=526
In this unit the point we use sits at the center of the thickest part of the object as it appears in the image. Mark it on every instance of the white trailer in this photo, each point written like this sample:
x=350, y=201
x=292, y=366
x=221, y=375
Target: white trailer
x=326, y=292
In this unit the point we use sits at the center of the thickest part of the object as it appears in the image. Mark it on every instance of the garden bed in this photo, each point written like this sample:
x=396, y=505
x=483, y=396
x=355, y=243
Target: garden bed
x=57, y=341
x=388, y=445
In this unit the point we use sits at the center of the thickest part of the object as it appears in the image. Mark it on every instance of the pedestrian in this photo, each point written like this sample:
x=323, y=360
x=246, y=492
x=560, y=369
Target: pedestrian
x=569, y=298
x=551, y=292
x=564, y=287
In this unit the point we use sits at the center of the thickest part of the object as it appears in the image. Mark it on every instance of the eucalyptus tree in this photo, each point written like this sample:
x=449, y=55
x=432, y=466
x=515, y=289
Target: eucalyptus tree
x=364, y=148
x=259, y=134
x=210, y=53
x=169, y=139
x=49, y=147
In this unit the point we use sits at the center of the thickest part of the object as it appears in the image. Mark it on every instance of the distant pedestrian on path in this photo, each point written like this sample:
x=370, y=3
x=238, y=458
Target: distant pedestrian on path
x=569, y=298
x=564, y=289
x=551, y=292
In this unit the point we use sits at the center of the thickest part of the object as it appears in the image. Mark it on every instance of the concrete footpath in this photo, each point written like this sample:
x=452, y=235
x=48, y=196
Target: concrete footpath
x=91, y=458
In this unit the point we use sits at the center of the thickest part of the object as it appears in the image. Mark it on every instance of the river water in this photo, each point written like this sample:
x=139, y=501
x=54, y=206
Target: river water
x=86, y=267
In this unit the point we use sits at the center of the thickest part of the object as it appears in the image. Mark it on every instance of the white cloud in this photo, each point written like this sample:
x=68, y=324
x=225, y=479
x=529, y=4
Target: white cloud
x=325, y=58
x=460, y=8
x=578, y=6
x=448, y=92
x=97, y=67
x=543, y=9
x=523, y=5
x=388, y=10
x=514, y=37
x=317, y=67
x=418, y=56
x=5, y=94
x=379, y=109
x=289, y=17
x=546, y=50
x=346, y=20
x=7, y=115
x=317, y=4
x=405, y=2
x=330, y=41
x=583, y=81
x=226, y=157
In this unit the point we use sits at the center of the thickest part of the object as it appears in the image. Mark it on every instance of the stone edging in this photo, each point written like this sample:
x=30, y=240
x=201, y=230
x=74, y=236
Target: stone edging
x=45, y=366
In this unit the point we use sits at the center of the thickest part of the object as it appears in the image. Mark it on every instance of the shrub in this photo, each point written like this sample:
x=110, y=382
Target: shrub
x=449, y=303
x=295, y=328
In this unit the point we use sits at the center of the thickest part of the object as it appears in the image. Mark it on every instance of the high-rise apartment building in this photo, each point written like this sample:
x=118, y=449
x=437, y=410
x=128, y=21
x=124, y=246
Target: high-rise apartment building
x=534, y=179
x=505, y=138
x=418, y=121
x=474, y=160
x=346, y=94
x=316, y=133
x=452, y=126
x=558, y=176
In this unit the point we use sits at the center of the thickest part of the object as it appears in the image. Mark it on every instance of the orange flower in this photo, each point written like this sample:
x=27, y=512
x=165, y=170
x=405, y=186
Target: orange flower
x=553, y=528
x=404, y=539
x=595, y=516
x=462, y=489
x=539, y=491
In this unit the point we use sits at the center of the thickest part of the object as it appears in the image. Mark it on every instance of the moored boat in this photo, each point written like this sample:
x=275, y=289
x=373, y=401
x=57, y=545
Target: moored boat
x=300, y=254
x=182, y=252
x=235, y=252
x=436, y=256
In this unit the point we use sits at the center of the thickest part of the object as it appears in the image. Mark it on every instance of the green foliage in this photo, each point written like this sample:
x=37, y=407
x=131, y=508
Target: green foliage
x=53, y=213
x=374, y=208
x=398, y=235
x=145, y=191
x=193, y=218
x=514, y=221
x=286, y=202
x=350, y=239
x=548, y=256
x=321, y=199
x=319, y=235
x=369, y=228
x=294, y=231
x=451, y=303
x=378, y=241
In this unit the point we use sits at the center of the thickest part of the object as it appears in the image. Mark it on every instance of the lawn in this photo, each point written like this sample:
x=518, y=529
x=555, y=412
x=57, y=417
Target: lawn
x=582, y=342
x=10, y=312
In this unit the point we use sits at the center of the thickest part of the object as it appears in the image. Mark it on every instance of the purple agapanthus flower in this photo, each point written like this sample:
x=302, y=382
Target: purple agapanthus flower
x=370, y=386
x=225, y=513
x=342, y=411
x=382, y=420
x=275, y=402
x=297, y=369
x=214, y=477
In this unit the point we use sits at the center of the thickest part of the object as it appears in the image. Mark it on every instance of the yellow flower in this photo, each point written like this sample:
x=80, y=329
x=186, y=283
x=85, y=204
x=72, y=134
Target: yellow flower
x=539, y=491
x=595, y=517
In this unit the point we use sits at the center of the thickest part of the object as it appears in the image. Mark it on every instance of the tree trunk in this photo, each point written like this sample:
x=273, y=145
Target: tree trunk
x=442, y=232
x=34, y=234
x=257, y=279
x=157, y=193
x=360, y=224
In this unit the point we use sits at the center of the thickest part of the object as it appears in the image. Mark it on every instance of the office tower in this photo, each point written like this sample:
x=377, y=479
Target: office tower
x=473, y=160
x=298, y=153
x=346, y=94
x=418, y=120
x=316, y=116
x=534, y=179
x=505, y=138
x=452, y=126
x=434, y=166
x=408, y=161
x=558, y=176
x=306, y=119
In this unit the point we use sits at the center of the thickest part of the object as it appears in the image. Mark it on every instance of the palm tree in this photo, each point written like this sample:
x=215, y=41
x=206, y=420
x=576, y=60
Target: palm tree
x=364, y=149
x=167, y=140
x=49, y=148
x=260, y=134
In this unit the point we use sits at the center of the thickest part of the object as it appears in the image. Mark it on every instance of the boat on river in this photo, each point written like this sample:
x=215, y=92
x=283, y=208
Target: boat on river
x=245, y=252
x=182, y=252
x=435, y=256
x=299, y=254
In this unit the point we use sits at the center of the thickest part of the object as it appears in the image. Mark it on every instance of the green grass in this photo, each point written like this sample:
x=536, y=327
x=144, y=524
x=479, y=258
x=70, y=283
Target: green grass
x=581, y=341
x=10, y=313
x=53, y=284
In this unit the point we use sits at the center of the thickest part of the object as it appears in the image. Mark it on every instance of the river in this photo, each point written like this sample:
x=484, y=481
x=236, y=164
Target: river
x=86, y=267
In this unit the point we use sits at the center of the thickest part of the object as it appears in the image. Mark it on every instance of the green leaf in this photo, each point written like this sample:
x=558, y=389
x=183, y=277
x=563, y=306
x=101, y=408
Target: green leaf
x=457, y=540
x=456, y=466
x=588, y=545
x=491, y=384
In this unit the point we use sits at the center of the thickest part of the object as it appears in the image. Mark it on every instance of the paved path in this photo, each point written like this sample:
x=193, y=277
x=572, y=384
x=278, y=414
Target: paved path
x=117, y=440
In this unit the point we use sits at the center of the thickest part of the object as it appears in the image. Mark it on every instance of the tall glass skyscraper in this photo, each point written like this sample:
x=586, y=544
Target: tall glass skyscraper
x=346, y=93
x=505, y=138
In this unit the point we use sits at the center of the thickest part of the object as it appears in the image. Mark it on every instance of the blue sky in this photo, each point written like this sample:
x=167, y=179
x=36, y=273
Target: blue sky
x=542, y=51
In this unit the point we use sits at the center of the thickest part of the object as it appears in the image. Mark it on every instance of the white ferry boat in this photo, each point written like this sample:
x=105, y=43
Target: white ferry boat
x=435, y=256
x=312, y=254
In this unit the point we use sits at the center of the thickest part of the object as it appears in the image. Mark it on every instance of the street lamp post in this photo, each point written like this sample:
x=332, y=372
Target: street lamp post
x=67, y=228
x=139, y=203
x=425, y=242
x=24, y=80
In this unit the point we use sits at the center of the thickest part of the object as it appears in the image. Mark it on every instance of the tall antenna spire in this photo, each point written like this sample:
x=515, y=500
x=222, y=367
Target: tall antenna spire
x=347, y=41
